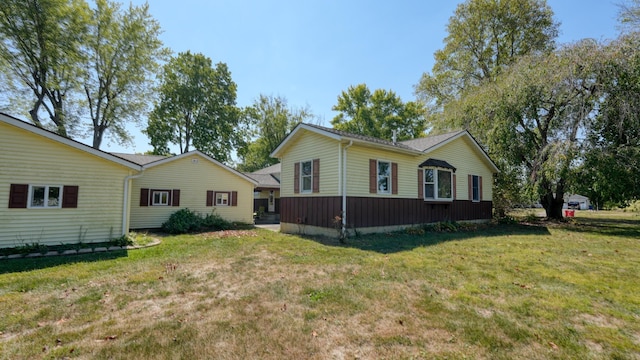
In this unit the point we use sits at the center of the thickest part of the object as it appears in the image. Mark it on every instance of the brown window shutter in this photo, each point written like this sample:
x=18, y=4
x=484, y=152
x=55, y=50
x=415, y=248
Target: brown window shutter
x=421, y=183
x=454, y=187
x=470, y=187
x=296, y=178
x=394, y=178
x=18, y=196
x=480, y=188
x=316, y=175
x=144, y=197
x=373, y=176
x=209, y=197
x=70, y=196
x=175, y=197
x=234, y=198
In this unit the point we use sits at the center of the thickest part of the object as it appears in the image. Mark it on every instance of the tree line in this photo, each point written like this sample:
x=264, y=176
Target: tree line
x=556, y=118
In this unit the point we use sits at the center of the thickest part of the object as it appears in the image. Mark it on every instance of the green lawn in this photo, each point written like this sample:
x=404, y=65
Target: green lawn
x=536, y=291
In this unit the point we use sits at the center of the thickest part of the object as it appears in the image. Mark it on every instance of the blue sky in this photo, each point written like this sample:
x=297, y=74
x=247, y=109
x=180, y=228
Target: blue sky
x=310, y=51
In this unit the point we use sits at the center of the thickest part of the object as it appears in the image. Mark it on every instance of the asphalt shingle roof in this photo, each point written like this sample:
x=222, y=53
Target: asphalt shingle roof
x=422, y=144
x=140, y=159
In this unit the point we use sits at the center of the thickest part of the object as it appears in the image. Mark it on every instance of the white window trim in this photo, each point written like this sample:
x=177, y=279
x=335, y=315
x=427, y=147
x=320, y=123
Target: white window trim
x=153, y=200
x=222, y=193
x=435, y=184
x=389, y=178
x=302, y=189
x=473, y=198
x=46, y=197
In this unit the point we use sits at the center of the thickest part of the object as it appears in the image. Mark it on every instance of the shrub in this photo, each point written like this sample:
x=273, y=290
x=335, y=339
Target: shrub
x=215, y=222
x=124, y=240
x=182, y=221
x=186, y=221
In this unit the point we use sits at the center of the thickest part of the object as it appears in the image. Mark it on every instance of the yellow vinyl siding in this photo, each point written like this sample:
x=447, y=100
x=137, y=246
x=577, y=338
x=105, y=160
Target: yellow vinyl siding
x=193, y=179
x=461, y=154
x=264, y=194
x=311, y=146
x=358, y=172
x=28, y=158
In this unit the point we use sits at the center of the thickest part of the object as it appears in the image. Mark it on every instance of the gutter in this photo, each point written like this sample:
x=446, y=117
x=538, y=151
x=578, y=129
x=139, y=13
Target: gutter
x=344, y=189
x=125, y=201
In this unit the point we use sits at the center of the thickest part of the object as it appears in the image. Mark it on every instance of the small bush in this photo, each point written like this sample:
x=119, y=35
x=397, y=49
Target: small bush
x=415, y=230
x=124, y=240
x=31, y=248
x=216, y=222
x=443, y=226
x=182, y=221
x=186, y=221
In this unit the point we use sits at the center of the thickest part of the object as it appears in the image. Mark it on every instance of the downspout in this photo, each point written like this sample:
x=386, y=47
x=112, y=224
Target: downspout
x=344, y=189
x=125, y=201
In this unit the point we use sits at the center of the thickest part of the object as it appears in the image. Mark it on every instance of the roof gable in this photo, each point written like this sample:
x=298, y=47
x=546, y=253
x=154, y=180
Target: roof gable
x=205, y=156
x=10, y=120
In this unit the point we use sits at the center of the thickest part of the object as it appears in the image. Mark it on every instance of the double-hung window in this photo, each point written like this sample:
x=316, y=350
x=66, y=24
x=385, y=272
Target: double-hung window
x=222, y=199
x=384, y=177
x=438, y=184
x=45, y=196
x=306, y=176
x=160, y=198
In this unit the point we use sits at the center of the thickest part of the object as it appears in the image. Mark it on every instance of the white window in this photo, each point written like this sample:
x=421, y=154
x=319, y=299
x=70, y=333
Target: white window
x=45, y=196
x=384, y=177
x=222, y=199
x=159, y=198
x=438, y=184
x=475, y=187
x=306, y=175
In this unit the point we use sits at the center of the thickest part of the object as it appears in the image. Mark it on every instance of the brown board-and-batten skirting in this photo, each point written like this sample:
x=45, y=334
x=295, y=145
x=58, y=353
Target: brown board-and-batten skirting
x=379, y=211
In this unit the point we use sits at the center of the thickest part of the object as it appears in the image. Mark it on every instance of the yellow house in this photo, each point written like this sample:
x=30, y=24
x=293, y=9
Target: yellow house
x=191, y=180
x=54, y=190
x=333, y=180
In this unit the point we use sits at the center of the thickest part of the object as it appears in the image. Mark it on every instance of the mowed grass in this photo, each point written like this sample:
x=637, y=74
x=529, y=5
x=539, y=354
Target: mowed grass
x=531, y=291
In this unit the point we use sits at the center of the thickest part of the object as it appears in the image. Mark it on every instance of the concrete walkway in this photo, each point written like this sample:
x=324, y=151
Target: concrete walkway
x=272, y=227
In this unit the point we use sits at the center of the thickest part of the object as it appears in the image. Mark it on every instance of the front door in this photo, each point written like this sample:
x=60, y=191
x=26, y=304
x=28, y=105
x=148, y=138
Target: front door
x=272, y=202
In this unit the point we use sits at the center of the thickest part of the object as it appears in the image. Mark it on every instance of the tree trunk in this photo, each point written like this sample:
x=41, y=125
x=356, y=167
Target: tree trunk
x=553, y=201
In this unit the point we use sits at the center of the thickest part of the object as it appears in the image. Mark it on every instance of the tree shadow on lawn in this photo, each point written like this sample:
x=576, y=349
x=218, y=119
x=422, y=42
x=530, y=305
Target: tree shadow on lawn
x=387, y=243
x=28, y=264
x=606, y=227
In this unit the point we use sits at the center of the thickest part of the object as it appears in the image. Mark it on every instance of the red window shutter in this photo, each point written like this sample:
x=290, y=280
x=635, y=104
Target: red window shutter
x=454, y=186
x=296, y=178
x=316, y=175
x=18, y=196
x=144, y=197
x=70, y=196
x=394, y=178
x=421, y=183
x=470, y=187
x=175, y=197
x=234, y=198
x=373, y=176
x=480, y=188
x=209, y=197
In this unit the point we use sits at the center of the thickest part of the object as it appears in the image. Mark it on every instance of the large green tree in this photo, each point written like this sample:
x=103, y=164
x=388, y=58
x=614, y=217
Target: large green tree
x=41, y=43
x=532, y=116
x=270, y=119
x=610, y=170
x=484, y=38
x=197, y=108
x=378, y=114
x=629, y=15
x=123, y=59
